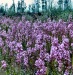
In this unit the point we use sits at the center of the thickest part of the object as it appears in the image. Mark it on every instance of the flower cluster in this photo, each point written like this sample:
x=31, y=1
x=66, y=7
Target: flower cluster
x=37, y=46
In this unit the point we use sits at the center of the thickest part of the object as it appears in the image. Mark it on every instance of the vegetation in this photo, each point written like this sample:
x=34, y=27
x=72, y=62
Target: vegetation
x=63, y=9
x=36, y=42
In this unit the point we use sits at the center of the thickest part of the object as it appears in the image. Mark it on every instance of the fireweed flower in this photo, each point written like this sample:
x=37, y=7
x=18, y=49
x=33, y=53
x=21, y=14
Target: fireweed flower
x=35, y=37
x=19, y=47
x=66, y=72
x=65, y=42
x=18, y=58
x=26, y=61
x=60, y=65
x=61, y=53
x=12, y=45
x=54, y=48
x=70, y=26
x=1, y=42
x=29, y=51
x=29, y=43
x=71, y=33
x=25, y=54
x=42, y=54
x=3, y=33
x=55, y=41
x=4, y=64
x=42, y=71
x=72, y=44
x=47, y=57
x=39, y=63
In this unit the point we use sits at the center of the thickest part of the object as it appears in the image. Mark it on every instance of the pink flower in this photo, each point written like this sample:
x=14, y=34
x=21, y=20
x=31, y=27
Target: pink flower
x=39, y=63
x=4, y=64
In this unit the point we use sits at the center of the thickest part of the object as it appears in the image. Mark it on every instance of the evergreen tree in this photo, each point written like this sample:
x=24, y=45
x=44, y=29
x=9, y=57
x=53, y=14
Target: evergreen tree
x=44, y=5
x=66, y=2
x=13, y=6
x=6, y=7
x=2, y=9
x=37, y=5
x=29, y=8
x=19, y=7
x=33, y=8
x=60, y=3
x=23, y=6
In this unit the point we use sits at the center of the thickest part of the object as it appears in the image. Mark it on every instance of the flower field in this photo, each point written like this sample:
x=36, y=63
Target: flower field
x=36, y=48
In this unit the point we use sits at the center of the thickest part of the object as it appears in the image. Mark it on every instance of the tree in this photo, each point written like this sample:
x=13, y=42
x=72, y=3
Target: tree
x=19, y=7
x=66, y=4
x=23, y=6
x=29, y=8
x=60, y=3
x=2, y=9
x=6, y=7
x=33, y=8
x=44, y=5
x=50, y=8
x=37, y=6
x=13, y=5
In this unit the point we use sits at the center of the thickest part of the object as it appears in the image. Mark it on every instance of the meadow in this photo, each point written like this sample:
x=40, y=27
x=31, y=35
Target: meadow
x=36, y=48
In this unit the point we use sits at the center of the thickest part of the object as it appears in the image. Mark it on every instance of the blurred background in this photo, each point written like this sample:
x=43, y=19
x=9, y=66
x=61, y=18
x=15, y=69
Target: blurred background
x=37, y=9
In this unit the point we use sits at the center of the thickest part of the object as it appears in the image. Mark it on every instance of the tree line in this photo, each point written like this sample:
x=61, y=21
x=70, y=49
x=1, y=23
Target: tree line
x=45, y=5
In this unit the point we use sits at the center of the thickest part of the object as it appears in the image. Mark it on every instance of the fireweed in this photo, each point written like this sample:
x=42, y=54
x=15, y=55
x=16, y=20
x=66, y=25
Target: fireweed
x=36, y=48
